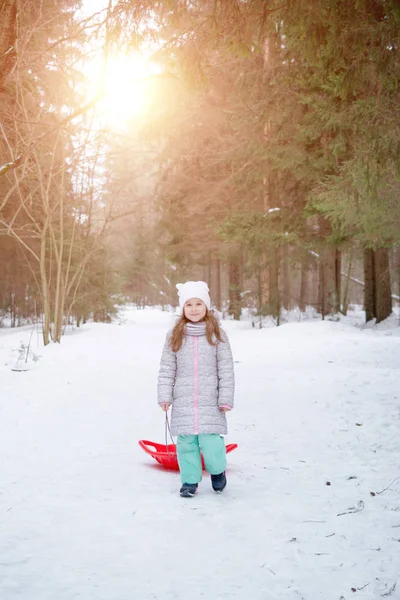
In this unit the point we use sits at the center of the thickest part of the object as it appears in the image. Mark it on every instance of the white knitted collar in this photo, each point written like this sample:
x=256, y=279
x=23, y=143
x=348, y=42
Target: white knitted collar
x=196, y=329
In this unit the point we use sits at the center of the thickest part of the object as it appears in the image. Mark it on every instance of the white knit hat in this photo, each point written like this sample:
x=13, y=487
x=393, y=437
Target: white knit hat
x=193, y=289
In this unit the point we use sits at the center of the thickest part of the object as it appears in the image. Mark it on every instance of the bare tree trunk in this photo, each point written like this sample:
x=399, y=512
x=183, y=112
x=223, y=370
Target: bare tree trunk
x=8, y=38
x=217, y=295
x=377, y=288
x=347, y=284
x=45, y=289
x=234, y=289
x=383, y=287
x=285, y=278
x=398, y=274
x=338, y=280
x=264, y=290
x=369, y=285
x=13, y=314
x=329, y=281
x=304, y=283
x=329, y=291
x=59, y=300
x=274, y=299
x=208, y=270
x=270, y=298
x=260, y=293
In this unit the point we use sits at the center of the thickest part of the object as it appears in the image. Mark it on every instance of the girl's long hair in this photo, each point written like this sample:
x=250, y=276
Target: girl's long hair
x=212, y=331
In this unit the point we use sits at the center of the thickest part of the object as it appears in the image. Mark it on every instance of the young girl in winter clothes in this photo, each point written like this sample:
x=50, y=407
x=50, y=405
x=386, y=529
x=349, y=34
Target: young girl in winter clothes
x=196, y=377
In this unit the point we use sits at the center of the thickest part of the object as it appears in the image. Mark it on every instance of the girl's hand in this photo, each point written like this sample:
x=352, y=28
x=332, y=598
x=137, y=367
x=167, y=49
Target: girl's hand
x=225, y=408
x=165, y=406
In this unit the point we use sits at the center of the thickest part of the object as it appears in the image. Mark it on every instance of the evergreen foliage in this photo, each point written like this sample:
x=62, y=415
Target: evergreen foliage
x=271, y=153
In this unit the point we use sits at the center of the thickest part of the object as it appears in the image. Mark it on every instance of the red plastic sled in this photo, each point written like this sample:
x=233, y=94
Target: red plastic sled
x=166, y=455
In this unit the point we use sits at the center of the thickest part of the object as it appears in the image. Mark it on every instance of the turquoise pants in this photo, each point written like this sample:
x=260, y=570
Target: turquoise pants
x=188, y=449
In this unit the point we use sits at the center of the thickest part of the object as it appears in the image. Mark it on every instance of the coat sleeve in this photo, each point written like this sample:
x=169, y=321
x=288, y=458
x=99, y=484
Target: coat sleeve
x=166, y=374
x=226, y=376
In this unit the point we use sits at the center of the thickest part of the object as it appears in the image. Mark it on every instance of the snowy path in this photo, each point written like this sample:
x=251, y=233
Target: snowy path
x=86, y=515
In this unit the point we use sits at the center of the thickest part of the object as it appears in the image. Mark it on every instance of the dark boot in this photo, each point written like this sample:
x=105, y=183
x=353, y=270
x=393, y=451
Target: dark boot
x=218, y=482
x=188, y=490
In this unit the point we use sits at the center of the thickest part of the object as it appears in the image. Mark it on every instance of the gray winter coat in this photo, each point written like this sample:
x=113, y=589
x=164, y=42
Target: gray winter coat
x=197, y=380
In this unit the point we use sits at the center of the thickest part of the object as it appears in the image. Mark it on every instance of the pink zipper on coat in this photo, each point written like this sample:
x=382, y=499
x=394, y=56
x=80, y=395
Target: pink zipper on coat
x=196, y=386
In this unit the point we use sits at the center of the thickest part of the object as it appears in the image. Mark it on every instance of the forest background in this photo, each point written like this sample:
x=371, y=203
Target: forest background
x=254, y=144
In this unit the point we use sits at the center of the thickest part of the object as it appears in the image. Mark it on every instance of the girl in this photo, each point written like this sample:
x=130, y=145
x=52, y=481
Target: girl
x=196, y=377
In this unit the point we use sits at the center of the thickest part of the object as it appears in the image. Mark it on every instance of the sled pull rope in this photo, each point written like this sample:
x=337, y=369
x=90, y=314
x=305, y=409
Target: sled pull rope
x=167, y=430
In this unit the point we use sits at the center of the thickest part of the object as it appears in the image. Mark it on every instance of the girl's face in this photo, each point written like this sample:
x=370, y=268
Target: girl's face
x=194, y=310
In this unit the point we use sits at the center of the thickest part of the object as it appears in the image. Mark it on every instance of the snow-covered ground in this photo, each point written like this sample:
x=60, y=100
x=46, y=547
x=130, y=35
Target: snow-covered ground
x=312, y=507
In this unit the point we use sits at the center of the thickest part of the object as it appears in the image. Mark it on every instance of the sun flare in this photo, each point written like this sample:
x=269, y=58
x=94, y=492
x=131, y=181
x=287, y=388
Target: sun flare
x=126, y=84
